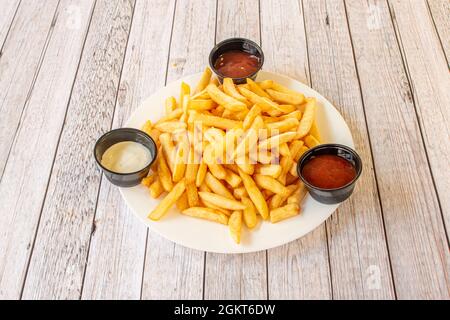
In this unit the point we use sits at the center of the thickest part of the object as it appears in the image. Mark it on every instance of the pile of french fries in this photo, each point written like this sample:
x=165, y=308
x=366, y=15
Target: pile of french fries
x=228, y=153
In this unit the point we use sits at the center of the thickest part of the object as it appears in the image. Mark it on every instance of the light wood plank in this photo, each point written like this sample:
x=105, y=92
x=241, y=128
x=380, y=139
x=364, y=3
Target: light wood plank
x=440, y=11
x=300, y=269
x=117, y=252
x=19, y=64
x=24, y=183
x=417, y=242
x=172, y=271
x=359, y=258
x=59, y=258
x=237, y=276
x=430, y=80
x=8, y=9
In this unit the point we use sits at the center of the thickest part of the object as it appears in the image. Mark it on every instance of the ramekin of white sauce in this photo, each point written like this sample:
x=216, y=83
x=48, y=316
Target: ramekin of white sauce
x=125, y=156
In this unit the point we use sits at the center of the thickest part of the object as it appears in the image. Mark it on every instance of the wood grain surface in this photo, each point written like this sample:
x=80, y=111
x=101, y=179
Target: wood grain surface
x=72, y=70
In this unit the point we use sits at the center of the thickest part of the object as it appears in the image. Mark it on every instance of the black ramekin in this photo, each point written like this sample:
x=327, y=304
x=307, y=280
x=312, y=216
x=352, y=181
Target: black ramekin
x=241, y=44
x=125, y=180
x=331, y=196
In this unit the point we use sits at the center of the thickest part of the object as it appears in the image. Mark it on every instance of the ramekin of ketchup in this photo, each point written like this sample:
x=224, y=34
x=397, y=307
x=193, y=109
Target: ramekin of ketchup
x=236, y=58
x=330, y=172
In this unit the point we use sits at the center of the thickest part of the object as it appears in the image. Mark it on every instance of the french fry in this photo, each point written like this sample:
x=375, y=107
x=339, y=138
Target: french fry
x=307, y=119
x=283, y=125
x=275, y=141
x=223, y=99
x=170, y=105
x=266, y=84
x=165, y=177
x=217, y=187
x=173, y=115
x=192, y=194
x=219, y=209
x=249, y=213
x=170, y=126
x=255, y=194
x=185, y=91
x=278, y=87
x=147, y=127
x=235, y=226
x=201, y=173
x=207, y=214
x=286, y=164
x=272, y=170
x=156, y=188
x=267, y=194
x=204, y=188
x=284, y=150
x=257, y=89
x=181, y=155
x=270, y=183
x=233, y=179
x=289, y=98
x=191, y=167
x=311, y=142
x=297, y=196
x=246, y=166
x=168, y=149
x=213, y=121
x=278, y=199
x=201, y=104
x=250, y=117
x=221, y=201
x=182, y=202
x=202, y=95
x=240, y=192
x=265, y=103
x=204, y=80
x=147, y=181
x=288, y=211
x=166, y=203
x=296, y=114
x=315, y=132
x=230, y=89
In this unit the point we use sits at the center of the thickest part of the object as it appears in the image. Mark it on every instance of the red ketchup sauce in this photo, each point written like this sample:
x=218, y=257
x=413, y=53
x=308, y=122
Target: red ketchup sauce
x=328, y=171
x=237, y=64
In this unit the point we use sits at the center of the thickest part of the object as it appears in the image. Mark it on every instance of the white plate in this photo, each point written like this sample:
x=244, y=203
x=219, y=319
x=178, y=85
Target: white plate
x=208, y=236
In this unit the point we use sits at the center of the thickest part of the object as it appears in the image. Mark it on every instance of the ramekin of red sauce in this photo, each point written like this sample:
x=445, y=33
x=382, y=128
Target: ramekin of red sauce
x=330, y=172
x=236, y=58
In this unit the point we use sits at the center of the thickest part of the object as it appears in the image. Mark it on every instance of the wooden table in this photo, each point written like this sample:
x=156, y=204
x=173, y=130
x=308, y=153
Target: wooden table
x=71, y=70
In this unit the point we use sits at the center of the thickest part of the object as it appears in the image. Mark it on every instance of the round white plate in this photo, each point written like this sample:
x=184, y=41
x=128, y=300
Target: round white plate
x=213, y=237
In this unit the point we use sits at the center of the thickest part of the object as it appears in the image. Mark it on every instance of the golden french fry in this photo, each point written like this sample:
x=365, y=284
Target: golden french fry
x=214, y=81
x=267, y=194
x=278, y=87
x=307, y=119
x=250, y=138
x=235, y=226
x=288, y=211
x=288, y=98
x=311, y=142
x=168, y=149
x=204, y=80
x=315, y=131
x=213, y=121
x=230, y=89
x=183, y=202
x=240, y=192
x=206, y=213
x=147, y=127
x=156, y=188
x=219, y=209
x=255, y=194
x=257, y=89
x=173, y=115
x=233, y=179
x=278, y=199
x=265, y=103
x=277, y=140
x=296, y=114
x=270, y=183
x=283, y=125
x=201, y=104
x=201, y=173
x=295, y=147
x=204, y=188
x=223, y=99
x=272, y=170
x=185, y=91
x=164, y=174
x=171, y=105
x=170, y=126
x=202, y=95
x=284, y=150
x=217, y=187
x=221, y=201
x=286, y=164
x=250, y=117
x=246, y=166
x=249, y=213
x=297, y=196
x=192, y=194
x=266, y=84
x=147, y=181
x=166, y=203
x=191, y=167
